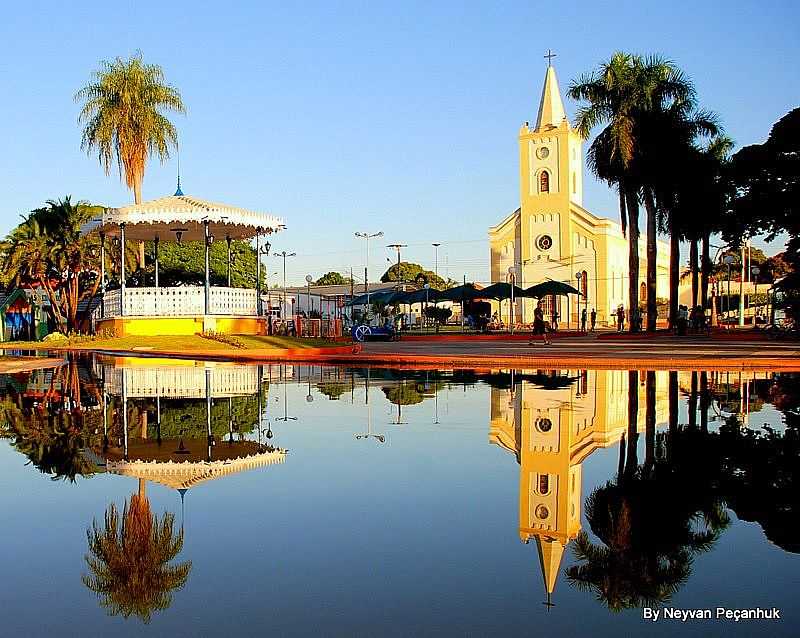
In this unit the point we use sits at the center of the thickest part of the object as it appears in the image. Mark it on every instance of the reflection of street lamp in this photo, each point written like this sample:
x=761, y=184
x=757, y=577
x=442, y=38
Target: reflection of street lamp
x=369, y=434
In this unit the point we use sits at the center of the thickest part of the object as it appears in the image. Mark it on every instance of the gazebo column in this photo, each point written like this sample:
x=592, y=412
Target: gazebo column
x=102, y=274
x=155, y=255
x=122, y=268
x=208, y=413
x=228, y=241
x=207, y=300
x=258, y=272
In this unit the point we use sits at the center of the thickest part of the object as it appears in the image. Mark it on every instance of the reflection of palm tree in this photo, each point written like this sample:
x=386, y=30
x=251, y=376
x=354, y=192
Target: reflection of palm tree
x=651, y=521
x=130, y=559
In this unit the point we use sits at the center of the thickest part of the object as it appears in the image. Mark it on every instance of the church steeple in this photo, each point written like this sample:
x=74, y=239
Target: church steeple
x=550, y=552
x=551, y=108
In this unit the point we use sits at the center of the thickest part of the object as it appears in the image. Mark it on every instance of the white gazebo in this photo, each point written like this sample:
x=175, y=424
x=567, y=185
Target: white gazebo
x=180, y=309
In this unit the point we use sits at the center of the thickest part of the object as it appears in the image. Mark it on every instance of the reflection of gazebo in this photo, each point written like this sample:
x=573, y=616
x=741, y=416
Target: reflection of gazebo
x=180, y=462
x=152, y=462
x=179, y=309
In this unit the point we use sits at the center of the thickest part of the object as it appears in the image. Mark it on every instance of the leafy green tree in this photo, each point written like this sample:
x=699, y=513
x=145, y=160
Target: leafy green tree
x=123, y=112
x=413, y=273
x=184, y=264
x=48, y=250
x=332, y=278
x=766, y=179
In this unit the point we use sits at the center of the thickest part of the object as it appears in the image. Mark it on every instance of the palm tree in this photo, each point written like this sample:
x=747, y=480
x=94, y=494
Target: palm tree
x=130, y=559
x=622, y=93
x=123, y=111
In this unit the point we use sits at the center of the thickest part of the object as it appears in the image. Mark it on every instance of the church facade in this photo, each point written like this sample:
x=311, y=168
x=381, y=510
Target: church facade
x=551, y=236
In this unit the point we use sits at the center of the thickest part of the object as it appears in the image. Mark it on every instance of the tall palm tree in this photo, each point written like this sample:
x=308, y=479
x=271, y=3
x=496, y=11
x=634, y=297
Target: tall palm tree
x=124, y=115
x=622, y=93
x=130, y=559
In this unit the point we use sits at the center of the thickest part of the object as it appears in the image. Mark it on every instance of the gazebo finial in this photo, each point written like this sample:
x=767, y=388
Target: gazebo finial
x=179, y=192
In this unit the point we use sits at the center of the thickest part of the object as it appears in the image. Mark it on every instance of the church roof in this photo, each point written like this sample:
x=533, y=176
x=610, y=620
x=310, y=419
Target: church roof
x=551, y=108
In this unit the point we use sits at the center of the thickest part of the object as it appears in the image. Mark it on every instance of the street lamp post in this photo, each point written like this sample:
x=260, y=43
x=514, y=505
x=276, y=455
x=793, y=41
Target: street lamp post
x=284, y=254
x=397, y=247
x=511, y=306
x=367, y=237
x=755, y=270
x=741, y=287
x=436, y=245
x=728, y=260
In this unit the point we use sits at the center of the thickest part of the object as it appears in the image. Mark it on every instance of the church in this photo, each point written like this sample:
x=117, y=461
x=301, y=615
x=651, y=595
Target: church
x=551, y=236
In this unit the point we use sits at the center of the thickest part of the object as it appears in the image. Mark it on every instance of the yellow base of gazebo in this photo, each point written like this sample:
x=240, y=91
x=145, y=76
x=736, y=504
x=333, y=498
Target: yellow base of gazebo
x=190, y=325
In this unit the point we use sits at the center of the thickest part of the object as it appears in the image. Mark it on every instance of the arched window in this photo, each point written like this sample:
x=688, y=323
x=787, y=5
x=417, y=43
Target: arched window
x=574, y=183
x=544, y=182
x=584, y=284
x=544, y=484
x=643, y=291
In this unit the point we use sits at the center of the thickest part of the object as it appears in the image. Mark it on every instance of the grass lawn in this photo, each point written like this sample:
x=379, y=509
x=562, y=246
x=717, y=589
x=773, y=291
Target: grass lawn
x=183, y=343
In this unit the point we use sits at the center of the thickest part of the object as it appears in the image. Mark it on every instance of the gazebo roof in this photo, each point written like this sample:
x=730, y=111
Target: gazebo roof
x=187, y=474
x=165, y=217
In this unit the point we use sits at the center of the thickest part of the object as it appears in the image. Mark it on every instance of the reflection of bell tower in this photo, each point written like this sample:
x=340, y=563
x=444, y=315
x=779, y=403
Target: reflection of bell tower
x=538, y=423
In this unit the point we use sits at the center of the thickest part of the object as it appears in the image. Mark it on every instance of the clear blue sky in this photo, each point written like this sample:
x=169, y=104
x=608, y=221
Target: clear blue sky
x=399, y=117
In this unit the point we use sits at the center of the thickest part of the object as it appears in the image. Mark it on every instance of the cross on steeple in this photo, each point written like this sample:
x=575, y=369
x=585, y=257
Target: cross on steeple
x=550, y=55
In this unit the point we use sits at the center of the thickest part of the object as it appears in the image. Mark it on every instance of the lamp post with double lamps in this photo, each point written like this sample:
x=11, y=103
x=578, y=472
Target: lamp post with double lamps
x=367, y=237
x=284, y=254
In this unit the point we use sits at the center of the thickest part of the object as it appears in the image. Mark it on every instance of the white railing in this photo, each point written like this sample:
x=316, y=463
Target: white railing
x=180, y=381
x=180, y=301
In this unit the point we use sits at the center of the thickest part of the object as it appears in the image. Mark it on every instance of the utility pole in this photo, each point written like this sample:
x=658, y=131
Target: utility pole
x=398, y=247
x=741, y=286
x=436, y=257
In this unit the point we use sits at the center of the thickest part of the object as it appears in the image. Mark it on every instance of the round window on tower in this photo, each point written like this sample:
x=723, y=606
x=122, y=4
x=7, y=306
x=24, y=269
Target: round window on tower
x=544, y=242
x=543, y=152
x=542, y=512
x=544, y=425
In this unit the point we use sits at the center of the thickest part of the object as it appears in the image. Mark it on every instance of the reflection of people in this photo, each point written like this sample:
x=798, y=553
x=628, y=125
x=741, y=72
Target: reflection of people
x=593, y=317
x=583, y=320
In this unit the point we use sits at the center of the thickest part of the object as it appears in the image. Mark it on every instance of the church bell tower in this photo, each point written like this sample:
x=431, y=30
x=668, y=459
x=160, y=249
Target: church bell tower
x=551, y=179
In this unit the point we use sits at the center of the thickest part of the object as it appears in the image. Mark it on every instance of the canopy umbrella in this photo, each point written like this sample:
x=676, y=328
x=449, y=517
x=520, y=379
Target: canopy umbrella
x=379, y=296
x=501, y=290
x=418, y=296
x=465, y=292
x=551, y=288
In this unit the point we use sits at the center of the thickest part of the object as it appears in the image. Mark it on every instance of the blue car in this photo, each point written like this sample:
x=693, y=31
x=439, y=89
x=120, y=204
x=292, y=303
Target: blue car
x=387, y=332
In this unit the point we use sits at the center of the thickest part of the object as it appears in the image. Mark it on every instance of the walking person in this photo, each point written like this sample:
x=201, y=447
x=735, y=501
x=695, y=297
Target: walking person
x=583, y=320
x=554, y=322
x=593, y=318
x=539, y=326
x=620, y=319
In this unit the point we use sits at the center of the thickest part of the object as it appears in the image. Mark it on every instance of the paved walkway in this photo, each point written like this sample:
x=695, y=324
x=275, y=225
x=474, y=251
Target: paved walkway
x=663, y=352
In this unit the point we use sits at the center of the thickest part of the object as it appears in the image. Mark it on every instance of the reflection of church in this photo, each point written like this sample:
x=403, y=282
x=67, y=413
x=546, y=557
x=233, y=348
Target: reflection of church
x=552, y=422
x=551, y=235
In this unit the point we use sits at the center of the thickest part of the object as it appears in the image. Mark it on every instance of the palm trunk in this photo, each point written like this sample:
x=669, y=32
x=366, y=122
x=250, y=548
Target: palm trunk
x=631, y=460
x=705, y=269
x=652, y=256
x=632, y=204
x=650, y=420
x=672, y=391
x=693, y=402
x=674, y=276
x=137, y=199
x=693, y=267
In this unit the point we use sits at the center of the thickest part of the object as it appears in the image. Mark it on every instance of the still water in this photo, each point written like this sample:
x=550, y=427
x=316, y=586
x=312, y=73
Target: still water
x=145, y=496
